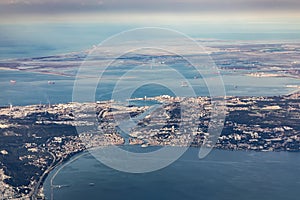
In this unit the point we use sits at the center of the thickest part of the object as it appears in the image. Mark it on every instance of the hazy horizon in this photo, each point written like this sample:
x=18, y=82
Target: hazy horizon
x=152, y=12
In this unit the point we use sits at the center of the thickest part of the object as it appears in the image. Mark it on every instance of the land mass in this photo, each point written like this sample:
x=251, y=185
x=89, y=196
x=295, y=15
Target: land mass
x=280, y=59
x=36, y=138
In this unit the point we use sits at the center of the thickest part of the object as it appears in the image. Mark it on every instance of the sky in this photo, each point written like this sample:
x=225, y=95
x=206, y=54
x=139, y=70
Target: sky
x=13, y=11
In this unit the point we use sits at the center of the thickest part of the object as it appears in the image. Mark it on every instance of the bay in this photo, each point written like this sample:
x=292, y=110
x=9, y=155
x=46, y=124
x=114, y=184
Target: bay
x=221, y=175
x=33, y=88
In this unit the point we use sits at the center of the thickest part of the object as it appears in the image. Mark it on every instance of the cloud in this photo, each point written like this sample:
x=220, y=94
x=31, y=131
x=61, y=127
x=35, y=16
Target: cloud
x=13, y=8
x=148, y=6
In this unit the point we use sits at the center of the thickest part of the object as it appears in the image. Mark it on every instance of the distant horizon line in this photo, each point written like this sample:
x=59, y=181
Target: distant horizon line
x=258, y=17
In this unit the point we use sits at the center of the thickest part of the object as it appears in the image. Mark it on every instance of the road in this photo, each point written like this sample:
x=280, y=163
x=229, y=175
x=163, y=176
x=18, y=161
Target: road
x=37, y=186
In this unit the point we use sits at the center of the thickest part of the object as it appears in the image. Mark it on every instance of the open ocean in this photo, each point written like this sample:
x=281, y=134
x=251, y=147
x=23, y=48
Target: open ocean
x=232, y=175
x=34, y=40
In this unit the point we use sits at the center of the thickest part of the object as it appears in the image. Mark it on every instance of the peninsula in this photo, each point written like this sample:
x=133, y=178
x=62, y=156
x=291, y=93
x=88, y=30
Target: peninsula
x=36, y=138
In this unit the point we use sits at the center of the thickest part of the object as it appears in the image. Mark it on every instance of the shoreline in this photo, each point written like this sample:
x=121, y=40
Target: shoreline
x=149, y=98
x=243, y=138
x=59, y=166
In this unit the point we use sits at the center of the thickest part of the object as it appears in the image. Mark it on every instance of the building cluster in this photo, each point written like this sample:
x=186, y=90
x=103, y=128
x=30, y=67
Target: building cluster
x=50, y=134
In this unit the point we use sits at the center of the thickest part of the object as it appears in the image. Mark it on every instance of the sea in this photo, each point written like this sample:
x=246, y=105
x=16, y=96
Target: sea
x=38, y=40
x=222, y=175
x=232, y=175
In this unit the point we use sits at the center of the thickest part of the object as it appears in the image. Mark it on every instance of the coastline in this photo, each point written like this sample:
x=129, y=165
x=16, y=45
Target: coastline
x=242, y=135
x=38, y=72
x=59, y=166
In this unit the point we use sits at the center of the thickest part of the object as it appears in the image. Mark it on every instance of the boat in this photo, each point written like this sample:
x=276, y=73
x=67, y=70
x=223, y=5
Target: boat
x=91, y=184
x=51, y=82
x=13, y=82
x=60, y=186
x=184, y=84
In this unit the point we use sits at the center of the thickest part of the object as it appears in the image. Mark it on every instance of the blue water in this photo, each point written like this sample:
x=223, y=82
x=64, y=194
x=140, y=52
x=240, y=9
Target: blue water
x=34, y=40
x=222, y=175
x=226, y=175
x=33, y=88
x=37, y=39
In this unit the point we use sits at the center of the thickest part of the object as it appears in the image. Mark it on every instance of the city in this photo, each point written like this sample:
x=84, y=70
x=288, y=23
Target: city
x=48, y=135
